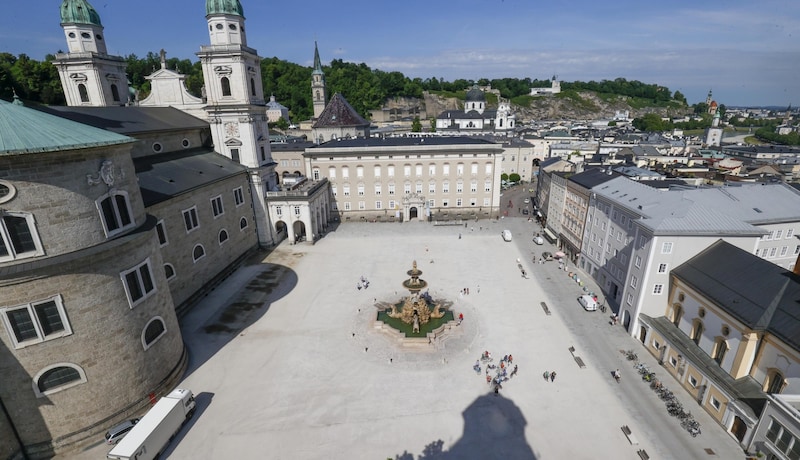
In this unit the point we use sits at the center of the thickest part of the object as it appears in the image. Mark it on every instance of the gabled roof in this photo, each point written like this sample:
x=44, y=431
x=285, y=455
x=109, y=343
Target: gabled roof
x=130, y=120
x=339, y=113
x=760, y=294
x=24, y=130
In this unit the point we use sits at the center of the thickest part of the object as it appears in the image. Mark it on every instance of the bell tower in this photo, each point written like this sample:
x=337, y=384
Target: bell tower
x=235, y=103
x=319, y=93
x=89, y=75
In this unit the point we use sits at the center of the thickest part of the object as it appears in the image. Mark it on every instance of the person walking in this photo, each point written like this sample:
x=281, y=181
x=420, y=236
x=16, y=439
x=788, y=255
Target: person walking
x=546, y=375
x=553, y=376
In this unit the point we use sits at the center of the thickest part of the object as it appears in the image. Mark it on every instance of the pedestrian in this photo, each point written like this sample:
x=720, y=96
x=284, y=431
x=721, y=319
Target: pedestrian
x=546, y=375
x=479, y=289
x=460, y=318
x=496, y=389
x=514, y=372
x=459, y=236
x=467, y=291
x=553, y=376
x=510, y=359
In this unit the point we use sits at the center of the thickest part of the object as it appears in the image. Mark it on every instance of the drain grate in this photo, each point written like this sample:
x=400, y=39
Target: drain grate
x=710, y=451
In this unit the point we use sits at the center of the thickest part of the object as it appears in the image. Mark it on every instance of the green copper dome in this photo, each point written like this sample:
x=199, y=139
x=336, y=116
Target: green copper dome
x=79, y=12
x=224, y=7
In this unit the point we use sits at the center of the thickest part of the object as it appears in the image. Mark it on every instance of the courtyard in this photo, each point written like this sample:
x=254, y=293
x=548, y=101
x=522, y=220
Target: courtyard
x=286, y=361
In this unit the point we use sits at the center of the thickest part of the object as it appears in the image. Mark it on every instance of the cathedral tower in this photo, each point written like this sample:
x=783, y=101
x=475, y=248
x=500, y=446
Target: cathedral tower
x=235, y=103
x=89, y=75
x=318, y=90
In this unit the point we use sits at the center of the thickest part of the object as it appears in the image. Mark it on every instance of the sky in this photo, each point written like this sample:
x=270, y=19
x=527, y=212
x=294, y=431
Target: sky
x=746, y=52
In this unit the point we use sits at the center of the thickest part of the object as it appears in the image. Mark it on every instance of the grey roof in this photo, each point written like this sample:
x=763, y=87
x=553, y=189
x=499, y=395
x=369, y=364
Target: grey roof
x=462, y=115
x=24, y=130
x=162, y=177
x=593, y=177
x=339, y=113
x=760, y=294
x=475, y=95
x=733, y=210
x=130, y=120
x=405, y=141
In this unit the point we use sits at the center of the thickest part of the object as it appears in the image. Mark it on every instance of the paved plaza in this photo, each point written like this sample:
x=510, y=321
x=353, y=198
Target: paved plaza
x=286, y=362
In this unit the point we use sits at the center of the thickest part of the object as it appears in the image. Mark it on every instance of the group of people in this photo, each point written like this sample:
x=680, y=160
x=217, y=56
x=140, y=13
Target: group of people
x=362, y=283
x=496, y=374
x=549, y=376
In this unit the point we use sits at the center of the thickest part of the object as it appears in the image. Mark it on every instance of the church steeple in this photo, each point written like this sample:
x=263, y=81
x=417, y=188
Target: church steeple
x=88, y=74
x=319, y=92
x=225, y=22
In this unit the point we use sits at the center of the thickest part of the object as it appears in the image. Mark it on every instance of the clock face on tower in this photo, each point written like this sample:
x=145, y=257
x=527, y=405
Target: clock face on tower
x=232, y=129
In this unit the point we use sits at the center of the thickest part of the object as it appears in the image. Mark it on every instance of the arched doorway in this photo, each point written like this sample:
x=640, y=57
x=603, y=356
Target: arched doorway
x=412, y=213
x=299, y=229
x=280, y=229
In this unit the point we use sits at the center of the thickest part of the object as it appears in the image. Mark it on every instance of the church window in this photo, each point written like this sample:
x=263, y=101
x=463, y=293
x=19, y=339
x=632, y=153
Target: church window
x=223, y=236
x=252, y=87
x=169, y=271
x=18, y=238
x=58, y=377
x=72, y=35
x=235, y=155
x=114, y=93
x=154, y=330
x=83, y=92
x=226, y=86
x=232, y=26
x=242, y=223
x=138, y=283
x=198, y=252
x=85, y=35
x=219, y=26
x=99, y=37
x=116, y=212
x=36, y=322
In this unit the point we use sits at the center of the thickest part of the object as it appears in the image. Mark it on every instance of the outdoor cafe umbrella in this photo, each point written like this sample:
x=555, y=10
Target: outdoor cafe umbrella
x=559, y=254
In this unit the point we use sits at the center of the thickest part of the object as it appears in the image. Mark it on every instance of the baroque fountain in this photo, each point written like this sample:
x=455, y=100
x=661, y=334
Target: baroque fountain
x=416, y=319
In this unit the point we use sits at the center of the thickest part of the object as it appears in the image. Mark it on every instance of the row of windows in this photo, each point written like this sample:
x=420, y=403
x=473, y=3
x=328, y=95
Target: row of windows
x=192, y=222
x=362, y=205
x=771, y=253
x=47, y=319
x=391, y=188
x=783, y=440
x=407, y=169
x=778, y=234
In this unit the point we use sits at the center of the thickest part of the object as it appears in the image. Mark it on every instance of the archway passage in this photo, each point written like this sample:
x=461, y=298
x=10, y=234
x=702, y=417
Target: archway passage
x=299, y=229
x=280, y=229
x=413, y=213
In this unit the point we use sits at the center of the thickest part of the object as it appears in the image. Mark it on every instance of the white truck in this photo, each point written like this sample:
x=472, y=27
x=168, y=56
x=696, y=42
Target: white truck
x=155, y=430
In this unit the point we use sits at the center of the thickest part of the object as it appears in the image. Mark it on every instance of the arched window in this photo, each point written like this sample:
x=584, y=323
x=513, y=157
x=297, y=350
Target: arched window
x=774, y=382
x=114, y=93
x=720, y=348
x=56, y=378
x=226, y=86
x=198, y=252
x=697, y=331
x=677, y=314
x=116, y=212
x=252, y=87
x=223, y=236
x=242, y=223
x=153, y=331
x=83, y=92
x=169, y=271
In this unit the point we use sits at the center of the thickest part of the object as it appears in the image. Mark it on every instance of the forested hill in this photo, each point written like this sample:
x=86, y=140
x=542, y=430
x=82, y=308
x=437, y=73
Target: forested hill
x=365, y=88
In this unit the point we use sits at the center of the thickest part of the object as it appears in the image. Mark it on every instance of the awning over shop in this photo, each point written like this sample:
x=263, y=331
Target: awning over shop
x=550, y=236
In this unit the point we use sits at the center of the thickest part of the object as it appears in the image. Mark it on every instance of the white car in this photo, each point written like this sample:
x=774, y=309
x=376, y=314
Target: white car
x=538, y=240
x=587, y=302
x=506, y=235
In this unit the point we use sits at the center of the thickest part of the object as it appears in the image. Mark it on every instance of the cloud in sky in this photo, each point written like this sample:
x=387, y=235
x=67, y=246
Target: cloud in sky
x=747, y=52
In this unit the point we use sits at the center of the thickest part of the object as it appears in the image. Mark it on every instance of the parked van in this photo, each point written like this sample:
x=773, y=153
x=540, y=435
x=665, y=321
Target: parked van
x=119, y=431
x=588, y=302
x=506, y=235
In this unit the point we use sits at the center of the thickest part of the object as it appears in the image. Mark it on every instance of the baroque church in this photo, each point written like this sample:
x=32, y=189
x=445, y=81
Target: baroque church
x=114, y=219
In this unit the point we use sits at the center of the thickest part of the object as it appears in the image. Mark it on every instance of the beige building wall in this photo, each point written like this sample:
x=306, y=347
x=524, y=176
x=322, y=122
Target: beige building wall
x=403, y=182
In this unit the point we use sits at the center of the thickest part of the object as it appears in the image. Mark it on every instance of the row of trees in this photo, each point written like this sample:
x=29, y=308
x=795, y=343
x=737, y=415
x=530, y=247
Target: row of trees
x=365, y=88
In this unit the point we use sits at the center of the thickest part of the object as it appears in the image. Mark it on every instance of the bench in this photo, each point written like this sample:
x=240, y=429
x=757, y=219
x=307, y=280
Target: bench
x=629, y=434
x=642, y=454
x=546, y=310
x=580, y=362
